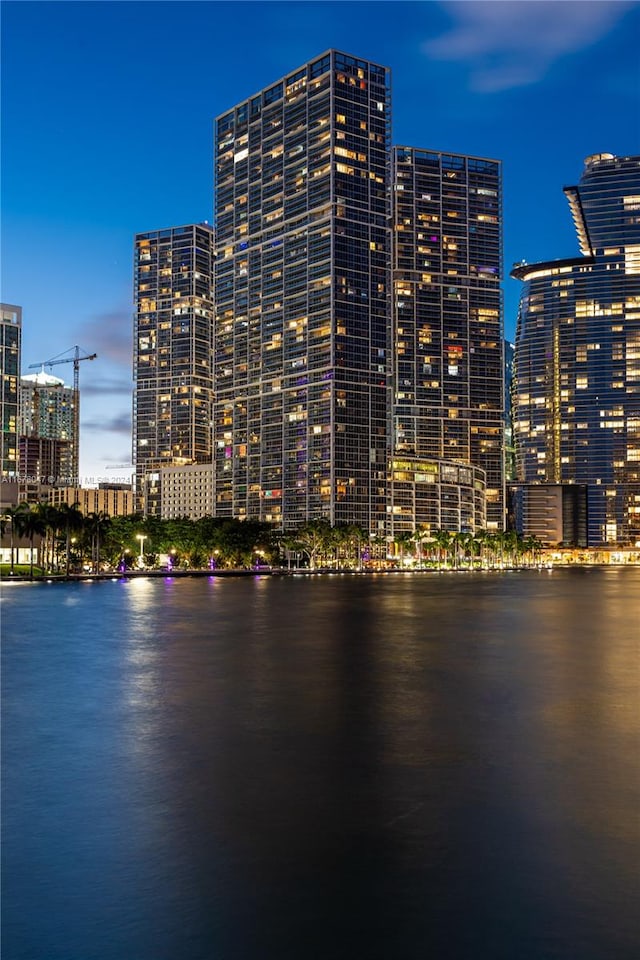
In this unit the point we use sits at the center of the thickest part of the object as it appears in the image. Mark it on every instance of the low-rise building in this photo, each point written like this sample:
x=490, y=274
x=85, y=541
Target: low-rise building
x=434, y=494
x=187, y=491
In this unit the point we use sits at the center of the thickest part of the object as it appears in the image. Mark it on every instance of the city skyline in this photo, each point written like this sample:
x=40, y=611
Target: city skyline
x=493, y=64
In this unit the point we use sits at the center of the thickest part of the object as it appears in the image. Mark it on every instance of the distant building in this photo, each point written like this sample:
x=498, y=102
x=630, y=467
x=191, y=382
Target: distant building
x=44, y=460
x=172, y=355
x=115, y=502
x=577, y=362
x=10, y=360
x=47, y=413
x=447, y=313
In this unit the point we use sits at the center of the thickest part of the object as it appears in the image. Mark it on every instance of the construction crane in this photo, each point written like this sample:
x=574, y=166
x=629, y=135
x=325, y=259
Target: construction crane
x=75, y=360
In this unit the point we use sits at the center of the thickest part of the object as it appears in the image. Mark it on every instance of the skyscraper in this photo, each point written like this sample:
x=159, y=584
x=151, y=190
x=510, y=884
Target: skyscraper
x=577, y=363
x=302, y=340
x=10, y=357
x=172, y=354
x=448, y=378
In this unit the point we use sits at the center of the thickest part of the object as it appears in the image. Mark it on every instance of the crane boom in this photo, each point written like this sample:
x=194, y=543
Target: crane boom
x=75, y=360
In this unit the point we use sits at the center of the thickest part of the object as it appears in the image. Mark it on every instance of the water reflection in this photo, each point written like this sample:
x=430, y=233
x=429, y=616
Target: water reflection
x=341, y=767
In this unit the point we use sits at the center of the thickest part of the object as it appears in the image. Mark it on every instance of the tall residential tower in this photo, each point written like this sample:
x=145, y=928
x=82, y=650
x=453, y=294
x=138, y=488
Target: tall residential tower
x=577, y=363
x=447, y=313
x=303, y=256
x=10, y=345
x=172, y=354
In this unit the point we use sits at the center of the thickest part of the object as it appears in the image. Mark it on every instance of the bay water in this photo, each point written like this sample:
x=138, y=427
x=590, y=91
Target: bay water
x=394, y=766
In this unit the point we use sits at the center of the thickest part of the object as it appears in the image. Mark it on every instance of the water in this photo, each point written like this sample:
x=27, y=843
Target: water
x=388, y=767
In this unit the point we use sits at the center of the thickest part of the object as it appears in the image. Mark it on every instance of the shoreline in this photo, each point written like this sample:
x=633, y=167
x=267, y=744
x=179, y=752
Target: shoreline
x=283, y=572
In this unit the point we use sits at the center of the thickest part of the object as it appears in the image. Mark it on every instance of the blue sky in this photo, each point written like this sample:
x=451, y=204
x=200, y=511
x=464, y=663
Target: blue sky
x=107, y=112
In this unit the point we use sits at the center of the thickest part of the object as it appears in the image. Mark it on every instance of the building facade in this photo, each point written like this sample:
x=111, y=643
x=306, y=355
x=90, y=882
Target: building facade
x=302, y=340
x=553, y=513
x=173, y=341
x=509, y=444
x=114, y=500
x=10, y=359
x=434, y=495
x=187, y=491
x=577, y=363
x=44, y=460
x=447, y=313
x=46, y=426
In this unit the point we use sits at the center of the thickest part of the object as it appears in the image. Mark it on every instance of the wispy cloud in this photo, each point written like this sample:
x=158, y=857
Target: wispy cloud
x=103, y=386
x=118, y=424
x=513, y=43
x=110, y=335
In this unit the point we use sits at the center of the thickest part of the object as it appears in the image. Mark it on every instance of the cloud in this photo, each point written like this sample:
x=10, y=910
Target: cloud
x=513, y=43
x=110, y=335
x=118, y=424
x=105, y=386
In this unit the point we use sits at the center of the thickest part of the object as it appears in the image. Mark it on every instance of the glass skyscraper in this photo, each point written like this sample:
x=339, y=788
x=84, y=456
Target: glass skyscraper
x=10, y=355
x=447, y=313
x=302, y=283
x=577, y=363
x=172, y=354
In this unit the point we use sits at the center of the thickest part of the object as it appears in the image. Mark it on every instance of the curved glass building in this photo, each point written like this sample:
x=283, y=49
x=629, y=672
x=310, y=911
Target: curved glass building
x=577, y=359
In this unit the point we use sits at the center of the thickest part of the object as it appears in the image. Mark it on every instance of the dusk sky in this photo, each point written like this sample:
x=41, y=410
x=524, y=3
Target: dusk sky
x=107, y=111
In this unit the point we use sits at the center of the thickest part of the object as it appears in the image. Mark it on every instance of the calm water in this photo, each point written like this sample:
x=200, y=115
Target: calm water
x=397, y=767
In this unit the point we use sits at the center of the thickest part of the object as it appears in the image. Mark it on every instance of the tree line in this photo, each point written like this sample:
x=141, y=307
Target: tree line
x=72, y=542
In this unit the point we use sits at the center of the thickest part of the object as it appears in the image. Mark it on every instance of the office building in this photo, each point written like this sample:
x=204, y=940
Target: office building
x=577, y=362
x=447, y=316
x=303, y=256
x=10, y=359
x=172, y=355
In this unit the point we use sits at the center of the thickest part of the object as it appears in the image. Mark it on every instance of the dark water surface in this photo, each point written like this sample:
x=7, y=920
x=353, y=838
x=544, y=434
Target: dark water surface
x=445, y=766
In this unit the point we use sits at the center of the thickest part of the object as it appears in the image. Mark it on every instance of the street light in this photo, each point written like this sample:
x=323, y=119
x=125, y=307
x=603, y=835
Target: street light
x=141, y=537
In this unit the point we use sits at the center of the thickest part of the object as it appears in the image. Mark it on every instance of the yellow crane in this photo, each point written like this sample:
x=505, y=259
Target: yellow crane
x=75, y=360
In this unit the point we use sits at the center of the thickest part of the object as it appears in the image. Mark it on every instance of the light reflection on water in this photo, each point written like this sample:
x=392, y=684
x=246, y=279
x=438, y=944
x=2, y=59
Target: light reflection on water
x=342, y=767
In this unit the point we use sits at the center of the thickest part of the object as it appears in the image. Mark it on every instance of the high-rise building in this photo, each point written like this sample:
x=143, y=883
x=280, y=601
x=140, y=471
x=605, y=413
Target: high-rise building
x=577, y=363
x=303, y=256
x=509, y=446
x=172, y=354
x=447, y=313
x=47, y=413
x=10, y=358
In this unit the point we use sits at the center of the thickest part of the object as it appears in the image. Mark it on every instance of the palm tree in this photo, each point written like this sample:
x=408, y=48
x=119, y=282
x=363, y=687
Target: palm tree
x=402, y=541
x=31, y=524
x=419, y=537
x=531, y=547
x=71, y=519
x=49, y=519
x=14, y=515
x=350, y=536
x=443, y=539
x=97, y=524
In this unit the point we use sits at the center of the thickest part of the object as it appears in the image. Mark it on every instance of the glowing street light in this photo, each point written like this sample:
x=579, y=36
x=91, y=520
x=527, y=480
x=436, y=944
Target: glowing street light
x=141, y=537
